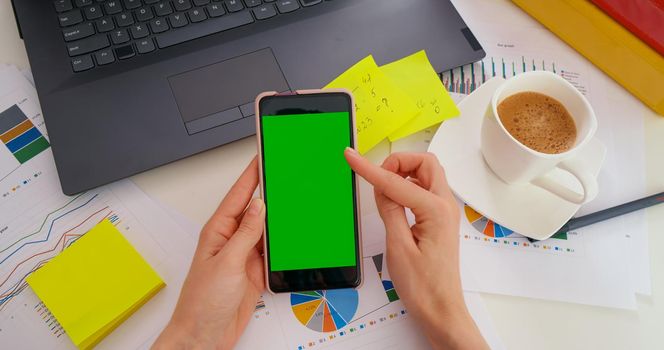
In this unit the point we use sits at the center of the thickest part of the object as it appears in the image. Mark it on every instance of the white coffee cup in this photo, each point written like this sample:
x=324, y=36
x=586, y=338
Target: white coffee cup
x=515, y=163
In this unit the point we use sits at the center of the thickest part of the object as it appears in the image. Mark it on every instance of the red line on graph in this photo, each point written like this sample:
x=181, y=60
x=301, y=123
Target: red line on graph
x=19, y=287
x=56, y=245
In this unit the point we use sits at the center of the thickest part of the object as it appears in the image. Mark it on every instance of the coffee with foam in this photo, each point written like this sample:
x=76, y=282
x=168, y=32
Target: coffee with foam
x=538, y=121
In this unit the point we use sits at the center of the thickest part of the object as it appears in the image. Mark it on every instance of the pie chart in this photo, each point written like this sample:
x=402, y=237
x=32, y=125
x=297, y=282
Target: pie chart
x=325, y=310
x=485, y=225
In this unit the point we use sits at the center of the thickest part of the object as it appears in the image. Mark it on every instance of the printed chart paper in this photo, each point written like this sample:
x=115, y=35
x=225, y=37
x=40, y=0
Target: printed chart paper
x=369, y=318
x=37, y=222
x=514, y=51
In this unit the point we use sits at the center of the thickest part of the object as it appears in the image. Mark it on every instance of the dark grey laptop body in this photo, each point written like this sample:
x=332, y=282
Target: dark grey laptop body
x=117, y=120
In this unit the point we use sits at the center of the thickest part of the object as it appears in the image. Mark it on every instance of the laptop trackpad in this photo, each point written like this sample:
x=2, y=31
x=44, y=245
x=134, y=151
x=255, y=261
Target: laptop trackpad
x=209, y=96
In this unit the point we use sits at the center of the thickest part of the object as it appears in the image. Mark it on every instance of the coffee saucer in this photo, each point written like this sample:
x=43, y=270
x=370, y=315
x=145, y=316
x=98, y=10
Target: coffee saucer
x=524, y=208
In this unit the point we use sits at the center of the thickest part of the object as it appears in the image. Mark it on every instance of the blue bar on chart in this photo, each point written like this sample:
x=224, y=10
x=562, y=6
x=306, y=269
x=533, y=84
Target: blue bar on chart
x=20, y=135
x=465, y=79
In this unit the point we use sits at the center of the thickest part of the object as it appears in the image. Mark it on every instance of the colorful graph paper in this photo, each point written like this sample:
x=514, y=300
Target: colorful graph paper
x=491, y=229
x=20, y=136
x=388, y=285
x=325, y=310
x=467, y=78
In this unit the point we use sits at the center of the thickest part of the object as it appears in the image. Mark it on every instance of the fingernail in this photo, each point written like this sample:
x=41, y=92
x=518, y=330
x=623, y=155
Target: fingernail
x=255, y=206
x=352, y=151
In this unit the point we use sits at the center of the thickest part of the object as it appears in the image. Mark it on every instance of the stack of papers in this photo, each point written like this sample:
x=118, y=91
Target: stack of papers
x=395, y=100
x=38, y=222
x=380, y=320
x=95, y=284
x=605, y=264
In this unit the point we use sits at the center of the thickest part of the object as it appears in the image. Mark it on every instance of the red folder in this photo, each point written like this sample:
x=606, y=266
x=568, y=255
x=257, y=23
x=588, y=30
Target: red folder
x=644, y=18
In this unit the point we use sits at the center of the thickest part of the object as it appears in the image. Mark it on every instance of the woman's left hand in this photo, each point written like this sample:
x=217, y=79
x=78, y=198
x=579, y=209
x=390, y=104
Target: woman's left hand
x=226, y=276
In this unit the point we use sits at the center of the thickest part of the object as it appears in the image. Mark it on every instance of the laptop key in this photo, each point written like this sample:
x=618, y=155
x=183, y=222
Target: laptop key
x=234, y=5
x=285, y=6
x=252, y=3
x=124, y=19
x=159, y=25
x=211, y=26
x=215, y=10
x=310, y=2
x=119, y=36
x=197, y=15
x=124, y=52
x=112, y=7
x=264, y=11
x=82, y=63
x=132, y=4
x=144, y=14
x=105, y=25
x=62, y=5
x=182, y=5
x=88, y=45
x=201, y=2
x=70, y=18
x=139, y=31
x=93, y=12
x=81, y=3
x=178, y=20
x=145, y=45
x=104, y=57
x=80, y=31
x=163, y=9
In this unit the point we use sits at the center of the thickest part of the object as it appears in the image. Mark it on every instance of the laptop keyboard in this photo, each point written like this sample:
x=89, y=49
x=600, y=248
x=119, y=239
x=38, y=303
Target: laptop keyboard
x=101, y=32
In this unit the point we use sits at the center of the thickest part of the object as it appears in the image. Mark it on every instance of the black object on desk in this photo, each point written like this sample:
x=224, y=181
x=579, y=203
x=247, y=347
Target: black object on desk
x=128, y=85
x=610, y=213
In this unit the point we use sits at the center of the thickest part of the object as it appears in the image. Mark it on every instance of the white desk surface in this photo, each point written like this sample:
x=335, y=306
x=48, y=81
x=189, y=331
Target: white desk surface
x=195, y=185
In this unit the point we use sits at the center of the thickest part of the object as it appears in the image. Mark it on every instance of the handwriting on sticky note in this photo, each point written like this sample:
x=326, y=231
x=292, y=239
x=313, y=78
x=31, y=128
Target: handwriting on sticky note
x=381, y=107
x=95, y=284
x=415, y=75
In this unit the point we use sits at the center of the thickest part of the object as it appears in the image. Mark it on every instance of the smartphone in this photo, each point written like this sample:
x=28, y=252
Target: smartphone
x=312, y=236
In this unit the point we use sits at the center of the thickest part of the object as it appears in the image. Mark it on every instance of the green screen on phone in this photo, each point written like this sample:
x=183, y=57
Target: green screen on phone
x=308, y=191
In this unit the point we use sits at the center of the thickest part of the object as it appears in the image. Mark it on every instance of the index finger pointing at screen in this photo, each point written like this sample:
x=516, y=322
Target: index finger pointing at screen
x=388, y=183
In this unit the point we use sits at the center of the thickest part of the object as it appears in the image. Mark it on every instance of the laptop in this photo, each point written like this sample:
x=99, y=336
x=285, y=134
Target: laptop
x=129, y=85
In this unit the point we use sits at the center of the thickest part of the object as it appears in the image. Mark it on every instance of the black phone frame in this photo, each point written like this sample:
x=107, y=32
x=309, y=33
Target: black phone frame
x=318, y=278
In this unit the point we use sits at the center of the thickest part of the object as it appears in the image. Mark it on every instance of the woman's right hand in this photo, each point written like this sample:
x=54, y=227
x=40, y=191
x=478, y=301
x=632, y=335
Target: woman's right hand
x=423, y=259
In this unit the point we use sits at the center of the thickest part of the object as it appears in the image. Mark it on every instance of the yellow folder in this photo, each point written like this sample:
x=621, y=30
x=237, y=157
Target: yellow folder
x=606, y=43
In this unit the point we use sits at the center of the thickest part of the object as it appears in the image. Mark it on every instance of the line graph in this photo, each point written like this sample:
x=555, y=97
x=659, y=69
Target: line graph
x=25, y=323
x=42, y=224
x=64, y=238
x=58, y=229
x=49, y=230
x=37, y=222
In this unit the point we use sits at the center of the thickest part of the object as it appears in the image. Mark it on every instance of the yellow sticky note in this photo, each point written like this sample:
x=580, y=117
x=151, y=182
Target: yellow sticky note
x=381, y=107
x=95, y=284
x=415, y=75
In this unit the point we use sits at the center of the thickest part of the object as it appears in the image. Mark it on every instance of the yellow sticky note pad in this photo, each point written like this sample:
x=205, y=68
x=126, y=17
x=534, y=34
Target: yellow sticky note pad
x=381, y=107
x=95, y=284
x=415, y=75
